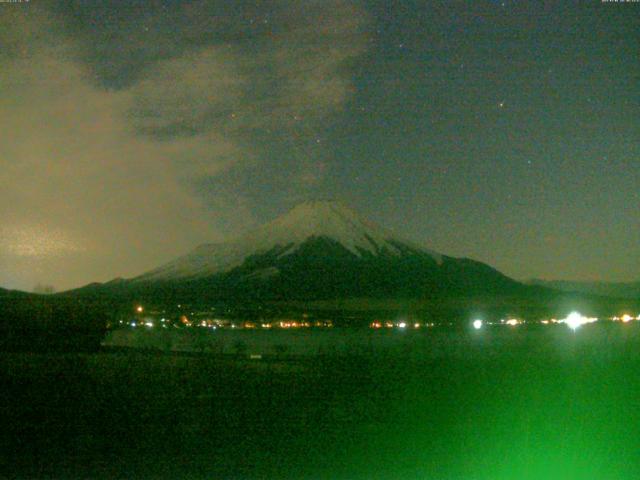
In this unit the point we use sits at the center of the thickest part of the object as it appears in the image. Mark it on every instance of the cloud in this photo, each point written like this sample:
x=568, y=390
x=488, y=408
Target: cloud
x=185, y=96
x=292, y=74
x=76, y=180
x=34, y=241
x=100, y=182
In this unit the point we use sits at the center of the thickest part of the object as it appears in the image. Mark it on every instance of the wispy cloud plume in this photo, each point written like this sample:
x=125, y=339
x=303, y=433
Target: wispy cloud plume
x=104, y=173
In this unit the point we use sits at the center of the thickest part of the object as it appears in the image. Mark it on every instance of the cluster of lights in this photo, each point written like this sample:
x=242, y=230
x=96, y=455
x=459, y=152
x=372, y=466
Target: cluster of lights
x=574, y=320
x=223, y=324
x=402, y=325
x=626, y=318
x=292, y=324
x=547, y=322
x=282, y=324
x=552, y=321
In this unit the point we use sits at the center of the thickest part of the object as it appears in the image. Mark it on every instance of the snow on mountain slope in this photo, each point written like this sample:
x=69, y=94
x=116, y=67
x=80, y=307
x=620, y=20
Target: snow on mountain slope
x=289, y=231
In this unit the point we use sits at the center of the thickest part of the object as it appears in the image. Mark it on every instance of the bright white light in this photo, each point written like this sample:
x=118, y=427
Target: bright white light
x=626, y=318
x=513, y=322
x=477, y=324
x=149, y=324
x=573, y=320
x=402, y=325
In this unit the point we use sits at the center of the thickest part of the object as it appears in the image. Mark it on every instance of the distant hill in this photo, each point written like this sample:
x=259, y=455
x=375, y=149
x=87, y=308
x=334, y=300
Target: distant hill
x=630, y=290
x=30, y=322
x=7, y=294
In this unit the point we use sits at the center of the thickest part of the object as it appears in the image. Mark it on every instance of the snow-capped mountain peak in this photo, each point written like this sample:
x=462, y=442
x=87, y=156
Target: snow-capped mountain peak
x=323, y=219
x=312, y=219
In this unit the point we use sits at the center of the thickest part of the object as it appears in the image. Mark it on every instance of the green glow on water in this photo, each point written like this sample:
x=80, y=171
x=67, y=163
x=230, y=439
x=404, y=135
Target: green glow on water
x=507, y=404
x=525, y=413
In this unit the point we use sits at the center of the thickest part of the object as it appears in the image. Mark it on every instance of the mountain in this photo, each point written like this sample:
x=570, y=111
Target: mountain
x=318, y=250
x=46, y=323
x=286, y=235
x=606, y=289
x=11, y=294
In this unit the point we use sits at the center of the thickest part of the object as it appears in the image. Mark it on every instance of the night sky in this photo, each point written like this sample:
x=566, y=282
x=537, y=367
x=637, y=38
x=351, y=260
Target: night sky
x=508, y=132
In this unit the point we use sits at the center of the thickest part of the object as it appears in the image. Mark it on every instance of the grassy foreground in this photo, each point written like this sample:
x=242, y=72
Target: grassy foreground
x=543, y=406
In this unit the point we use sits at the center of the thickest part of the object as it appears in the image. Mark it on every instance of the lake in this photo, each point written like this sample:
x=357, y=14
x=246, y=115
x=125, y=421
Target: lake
x=502, y=403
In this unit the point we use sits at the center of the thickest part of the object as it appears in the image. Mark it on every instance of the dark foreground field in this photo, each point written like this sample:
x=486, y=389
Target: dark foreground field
x=545, y=405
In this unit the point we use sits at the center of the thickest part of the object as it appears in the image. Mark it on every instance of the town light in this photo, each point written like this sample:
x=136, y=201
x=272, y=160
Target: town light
x=477, y=324
x=575, y=320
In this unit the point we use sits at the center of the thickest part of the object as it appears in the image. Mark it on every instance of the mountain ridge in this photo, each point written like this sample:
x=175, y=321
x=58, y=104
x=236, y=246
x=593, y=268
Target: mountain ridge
x=629, y=290
x=318, y=250
x=323, y=255
x=310, y=219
